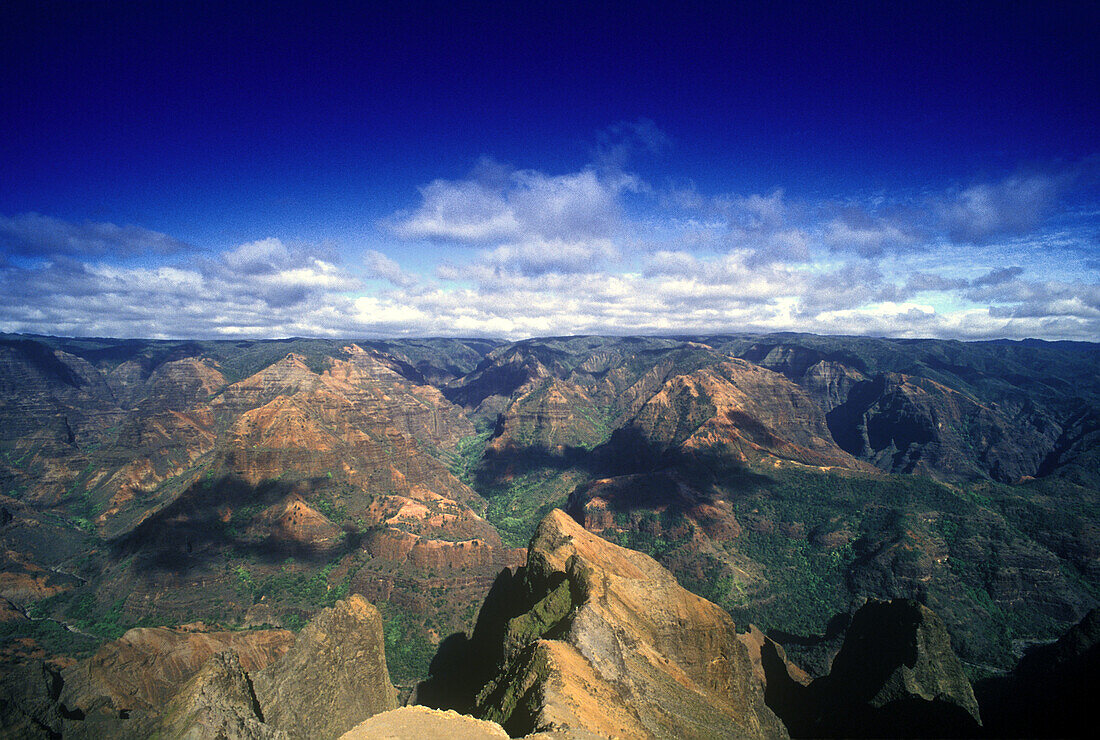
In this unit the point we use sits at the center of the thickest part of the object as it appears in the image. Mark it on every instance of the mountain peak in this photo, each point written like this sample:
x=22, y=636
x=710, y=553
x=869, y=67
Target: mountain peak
x=589, y=635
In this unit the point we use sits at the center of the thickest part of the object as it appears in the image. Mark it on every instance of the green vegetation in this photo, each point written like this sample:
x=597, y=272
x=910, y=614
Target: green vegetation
x=467, y=455
x=51, y=636
x=810, y=544
x=99, y=620
x=293, y=585
x=807, y=581
x=334, y=512
x=240, y=518
x=408, y=651
x=657, y=535
x=816, y=543
x=518, y=504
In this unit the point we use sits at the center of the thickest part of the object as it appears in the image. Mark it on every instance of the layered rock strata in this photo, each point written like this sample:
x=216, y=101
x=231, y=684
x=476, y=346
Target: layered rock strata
x=144, y=668
x=217, y=703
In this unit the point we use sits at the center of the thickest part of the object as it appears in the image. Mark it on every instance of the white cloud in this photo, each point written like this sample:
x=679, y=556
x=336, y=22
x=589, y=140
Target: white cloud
x=496, y=205
x=522, y=252
x=258, y=257
x=551, y=255
x=256, y=289
x=384, y=268
x=867, y=236
x=460, y=211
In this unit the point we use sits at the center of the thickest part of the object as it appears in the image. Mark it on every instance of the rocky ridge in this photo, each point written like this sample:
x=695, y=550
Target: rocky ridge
x=591, y=637
x=319, y=685
x=333, y=676
x=144, y=668
x=586, y=640
x=218, y=701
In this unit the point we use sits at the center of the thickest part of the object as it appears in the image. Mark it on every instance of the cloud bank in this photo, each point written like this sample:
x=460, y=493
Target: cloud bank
x=519, y=252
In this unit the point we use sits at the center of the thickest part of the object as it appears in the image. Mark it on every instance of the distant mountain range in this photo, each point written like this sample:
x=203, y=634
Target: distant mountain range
x=787, y=478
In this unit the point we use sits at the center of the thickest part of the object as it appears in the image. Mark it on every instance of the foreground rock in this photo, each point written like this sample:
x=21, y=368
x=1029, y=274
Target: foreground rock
x=152, y=683
x=28, y=701
x=217, y=703
x=333, y=678
x=762, y=650
x=595, y=639
x=783, y=682
x=144, y=668
x=895, y=676
x=413, y=723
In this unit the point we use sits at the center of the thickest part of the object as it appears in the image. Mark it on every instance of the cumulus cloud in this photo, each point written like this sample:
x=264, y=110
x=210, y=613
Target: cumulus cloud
x=384, y=268
x=998, y=276
x=597, y=250
x=980, y=213
x=921, y=282
x=537, y=256
x=1038, y=299
x=269, y=271
x=867, y=235
x=497, y=205
x=257, y=289
x=675, y=292
x=261, y=257
x=765, y=228
x=35, y=235
x=731, y=273
x=525, y=220
x=850, y=287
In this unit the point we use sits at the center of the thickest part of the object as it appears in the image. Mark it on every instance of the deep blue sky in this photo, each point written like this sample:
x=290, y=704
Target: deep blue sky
x=217, y=125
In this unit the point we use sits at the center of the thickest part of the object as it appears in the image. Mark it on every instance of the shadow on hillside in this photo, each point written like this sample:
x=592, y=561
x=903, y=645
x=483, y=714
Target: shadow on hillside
x=513, y=461
x=675, y=478
x=653, y=477
x=212, y=518
x=627, y=452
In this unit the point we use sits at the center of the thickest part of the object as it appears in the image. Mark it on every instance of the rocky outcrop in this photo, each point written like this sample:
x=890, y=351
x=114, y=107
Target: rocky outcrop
x=294, y=524
x=910, y=424
x=9, y=612
x=765, y=654
x=437, y=555
x=422, y=722
x=734, y=410
x=553, y=416
x=592, y=637
x=217, y=702
x=145, y=667
x=168, y=683
x=504, y=371
x=334, y=676
x=303, y=457
x=895, y=675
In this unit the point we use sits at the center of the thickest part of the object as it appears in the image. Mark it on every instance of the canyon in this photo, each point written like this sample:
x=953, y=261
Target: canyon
x=217, y=496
